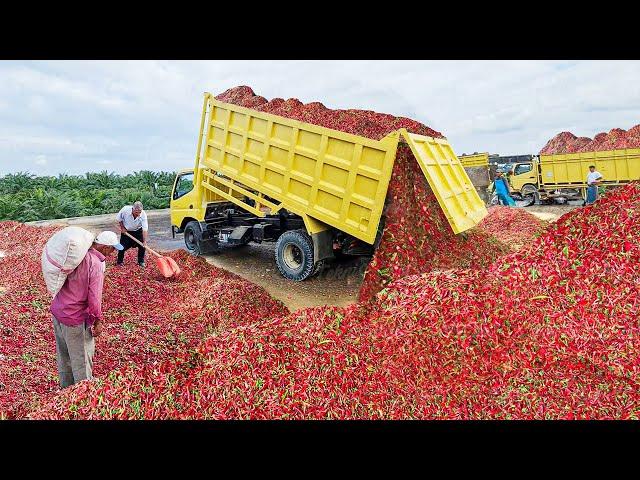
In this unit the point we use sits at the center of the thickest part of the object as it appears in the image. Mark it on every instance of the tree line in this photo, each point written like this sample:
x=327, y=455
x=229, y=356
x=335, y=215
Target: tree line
x=26, y=197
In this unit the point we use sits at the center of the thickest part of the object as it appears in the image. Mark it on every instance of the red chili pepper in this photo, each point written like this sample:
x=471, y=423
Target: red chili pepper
x=451, y=328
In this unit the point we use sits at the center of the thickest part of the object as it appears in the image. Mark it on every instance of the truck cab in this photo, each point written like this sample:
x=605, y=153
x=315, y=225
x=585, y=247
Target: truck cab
x=530, y=180
x=523, y=178
x=183, y=203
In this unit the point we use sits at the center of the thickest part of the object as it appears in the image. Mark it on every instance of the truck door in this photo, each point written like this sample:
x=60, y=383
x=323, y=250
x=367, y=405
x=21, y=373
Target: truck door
x=182, y=204
x=523, y=174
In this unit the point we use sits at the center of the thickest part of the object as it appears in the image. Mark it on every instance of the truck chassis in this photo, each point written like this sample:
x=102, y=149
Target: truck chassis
x=226, y=225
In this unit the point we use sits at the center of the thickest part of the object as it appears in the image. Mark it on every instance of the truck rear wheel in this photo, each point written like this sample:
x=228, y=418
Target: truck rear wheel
x=529, y=194
x=294, y=255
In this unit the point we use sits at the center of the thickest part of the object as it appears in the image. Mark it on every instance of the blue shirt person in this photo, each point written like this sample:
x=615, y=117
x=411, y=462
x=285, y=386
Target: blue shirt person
x=501, y=188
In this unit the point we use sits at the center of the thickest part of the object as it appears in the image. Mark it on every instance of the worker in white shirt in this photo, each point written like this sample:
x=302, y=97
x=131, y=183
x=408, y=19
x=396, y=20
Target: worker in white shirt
x=133, y=220
x=593, y=180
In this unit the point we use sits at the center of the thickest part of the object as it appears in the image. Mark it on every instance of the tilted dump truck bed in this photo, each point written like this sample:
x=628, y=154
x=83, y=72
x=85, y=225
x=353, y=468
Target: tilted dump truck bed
x=329, y=178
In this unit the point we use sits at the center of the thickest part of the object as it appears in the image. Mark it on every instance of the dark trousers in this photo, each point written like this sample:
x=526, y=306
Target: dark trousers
x=127, y=243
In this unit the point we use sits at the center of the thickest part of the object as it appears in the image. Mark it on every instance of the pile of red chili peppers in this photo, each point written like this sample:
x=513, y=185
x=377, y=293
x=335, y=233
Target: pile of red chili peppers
x=147, y=317
x=513, y=226
x=450, y=327
x=617, y=138
x=547, y=333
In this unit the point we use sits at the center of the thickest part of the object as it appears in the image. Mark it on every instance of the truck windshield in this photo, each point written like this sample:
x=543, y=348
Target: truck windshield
x=184, y=185
x=523, y=168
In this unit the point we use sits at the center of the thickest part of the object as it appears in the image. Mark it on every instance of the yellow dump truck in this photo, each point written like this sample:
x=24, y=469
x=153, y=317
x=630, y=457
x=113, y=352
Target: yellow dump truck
x=315, y=191
x=563, y=177
x=477, y=168
x=475, y=160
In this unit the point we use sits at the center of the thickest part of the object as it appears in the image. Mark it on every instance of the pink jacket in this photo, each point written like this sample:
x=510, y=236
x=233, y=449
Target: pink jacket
x=80, y=298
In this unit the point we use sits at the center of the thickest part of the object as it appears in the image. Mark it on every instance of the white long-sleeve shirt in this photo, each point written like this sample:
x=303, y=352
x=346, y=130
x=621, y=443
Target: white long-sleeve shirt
x=126, y=217
x=593, y=176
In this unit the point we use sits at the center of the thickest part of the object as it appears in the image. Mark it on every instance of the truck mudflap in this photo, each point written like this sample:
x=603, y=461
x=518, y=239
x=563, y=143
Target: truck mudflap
x=322, y=245
x=449, y=181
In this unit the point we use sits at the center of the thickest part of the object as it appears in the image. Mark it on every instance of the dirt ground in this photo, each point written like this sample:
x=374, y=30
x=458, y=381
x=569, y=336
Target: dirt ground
x=550, y=213
x=337, y=284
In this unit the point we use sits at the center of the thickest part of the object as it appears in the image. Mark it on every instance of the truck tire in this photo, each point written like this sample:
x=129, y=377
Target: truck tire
x=529, y=193
x=192, y=237
x=294, y=255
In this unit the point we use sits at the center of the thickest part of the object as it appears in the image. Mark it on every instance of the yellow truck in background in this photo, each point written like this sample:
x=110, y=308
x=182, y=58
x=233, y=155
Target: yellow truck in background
x=563, y=177
x=475, y=160
x=477, y=167
x=315, y=191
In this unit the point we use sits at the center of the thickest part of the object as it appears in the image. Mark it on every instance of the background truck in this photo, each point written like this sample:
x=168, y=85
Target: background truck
x=482, y=168
x=474, y=160
x=477, y=167
x=315, y=191
x=563, y=177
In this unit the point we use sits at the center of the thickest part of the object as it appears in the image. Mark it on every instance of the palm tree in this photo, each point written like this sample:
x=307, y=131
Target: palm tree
x=51, y=204
x=129, y=181
x=147, y=179
x=15, y=182
x=47, y=183
x=25, y=197
x=71, y=182
x=166, y=178
x=8, y=207
x=102, y=180
x=94, y=203
x=63, y=181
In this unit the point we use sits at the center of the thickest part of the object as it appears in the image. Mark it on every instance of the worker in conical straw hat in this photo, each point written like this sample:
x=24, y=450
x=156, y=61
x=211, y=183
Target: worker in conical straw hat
x=77, y=312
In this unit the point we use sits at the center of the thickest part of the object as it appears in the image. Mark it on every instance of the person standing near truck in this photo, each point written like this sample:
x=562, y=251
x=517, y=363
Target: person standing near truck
x=593, y=180
x=501, y=187
x=133, y=220
x=77, y=312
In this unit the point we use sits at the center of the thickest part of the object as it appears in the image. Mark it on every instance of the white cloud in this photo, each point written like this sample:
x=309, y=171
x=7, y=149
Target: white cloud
x=29, y=80
x=41, y=160
x=133, y=115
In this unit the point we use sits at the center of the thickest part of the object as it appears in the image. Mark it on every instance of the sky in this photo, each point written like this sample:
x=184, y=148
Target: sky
x=124, y=116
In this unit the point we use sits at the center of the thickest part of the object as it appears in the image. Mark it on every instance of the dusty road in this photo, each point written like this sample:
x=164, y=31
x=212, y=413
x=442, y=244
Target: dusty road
x=550, y=212
x=337, y=285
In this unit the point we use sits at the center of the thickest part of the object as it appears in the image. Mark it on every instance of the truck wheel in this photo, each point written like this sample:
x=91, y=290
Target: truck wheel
x=294, y=255
x=529, y=193
x=192, y=236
